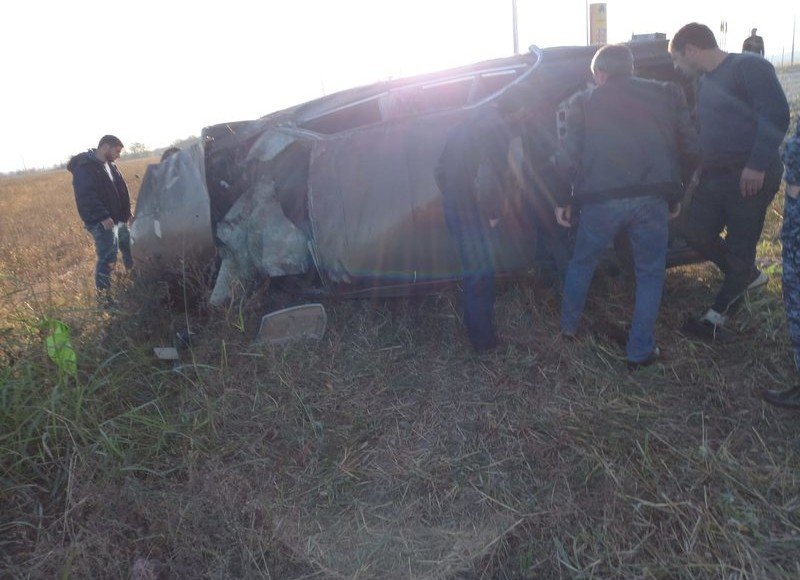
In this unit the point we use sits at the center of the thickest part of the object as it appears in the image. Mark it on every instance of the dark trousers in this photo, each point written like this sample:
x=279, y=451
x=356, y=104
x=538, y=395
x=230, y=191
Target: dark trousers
x=718, y=204
x=469, y=234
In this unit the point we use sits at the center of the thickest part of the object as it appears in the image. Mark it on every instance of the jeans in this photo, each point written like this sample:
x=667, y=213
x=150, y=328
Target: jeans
x=106, y=246
x=646, y=220
x=718, y=204
x=124, y=242
x=468, y=231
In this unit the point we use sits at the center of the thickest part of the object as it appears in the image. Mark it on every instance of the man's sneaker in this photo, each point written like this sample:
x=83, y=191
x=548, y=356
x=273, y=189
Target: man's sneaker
x=652, y=357
x=759, y=279
x=710, y=326
x=788, y=399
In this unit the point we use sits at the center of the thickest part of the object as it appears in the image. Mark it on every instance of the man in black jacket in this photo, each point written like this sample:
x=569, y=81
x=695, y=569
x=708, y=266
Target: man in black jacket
x=753, y=43
x=104, y=205
x=474, y=177
x=628, y=149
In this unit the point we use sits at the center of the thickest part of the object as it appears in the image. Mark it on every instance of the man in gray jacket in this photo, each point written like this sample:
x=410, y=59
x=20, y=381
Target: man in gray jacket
x=629, y=147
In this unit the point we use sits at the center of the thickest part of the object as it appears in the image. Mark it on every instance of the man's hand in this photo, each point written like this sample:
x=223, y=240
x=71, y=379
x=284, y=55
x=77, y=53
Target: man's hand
x=674, y=210
x=751, y=182
x=793, y=191
x=108, y=223
x=564, y=216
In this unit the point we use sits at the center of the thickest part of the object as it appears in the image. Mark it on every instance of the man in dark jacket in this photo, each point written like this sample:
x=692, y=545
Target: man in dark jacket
x=753, y=43
x=628, y=149
x=104, y=205
x=474, y=177
x=743, y=116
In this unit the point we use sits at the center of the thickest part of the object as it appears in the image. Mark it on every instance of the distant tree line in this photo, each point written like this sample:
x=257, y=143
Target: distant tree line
x=132, y=151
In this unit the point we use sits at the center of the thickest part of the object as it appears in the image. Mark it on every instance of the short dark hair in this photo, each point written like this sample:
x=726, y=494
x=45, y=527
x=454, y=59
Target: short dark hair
x=110, y=140
x=616, y=60
x=696, y=34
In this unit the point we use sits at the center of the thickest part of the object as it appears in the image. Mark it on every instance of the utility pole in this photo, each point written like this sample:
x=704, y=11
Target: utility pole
x=587, y=23
x=514, y=24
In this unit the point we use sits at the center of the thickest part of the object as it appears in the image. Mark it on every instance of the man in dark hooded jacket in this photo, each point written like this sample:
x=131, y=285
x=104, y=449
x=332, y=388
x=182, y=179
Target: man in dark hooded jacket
x=104, y=205
x=474, y=177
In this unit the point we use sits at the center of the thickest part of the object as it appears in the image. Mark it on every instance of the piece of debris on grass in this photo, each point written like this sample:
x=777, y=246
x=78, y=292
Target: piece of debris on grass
x=166, y=353
x=282, y=326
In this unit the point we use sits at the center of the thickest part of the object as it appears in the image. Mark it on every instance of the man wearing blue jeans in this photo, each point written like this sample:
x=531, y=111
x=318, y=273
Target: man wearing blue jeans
x=628, y=148
x=104, y=205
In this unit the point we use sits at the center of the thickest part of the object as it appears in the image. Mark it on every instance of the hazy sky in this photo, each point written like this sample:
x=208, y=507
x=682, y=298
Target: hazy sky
x=153, y=71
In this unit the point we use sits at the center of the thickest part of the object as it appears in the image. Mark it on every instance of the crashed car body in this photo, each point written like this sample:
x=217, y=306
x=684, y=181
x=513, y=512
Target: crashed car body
x=339, y=193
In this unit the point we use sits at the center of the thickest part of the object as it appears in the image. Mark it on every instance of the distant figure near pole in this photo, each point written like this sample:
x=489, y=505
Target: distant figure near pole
x=104, y=205
x=753, y=43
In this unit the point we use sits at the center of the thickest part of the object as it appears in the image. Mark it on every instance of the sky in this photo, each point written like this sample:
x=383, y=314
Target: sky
x=155, y=71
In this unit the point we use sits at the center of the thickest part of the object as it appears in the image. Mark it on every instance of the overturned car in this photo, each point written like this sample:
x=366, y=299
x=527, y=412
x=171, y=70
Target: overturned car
x=339, y=196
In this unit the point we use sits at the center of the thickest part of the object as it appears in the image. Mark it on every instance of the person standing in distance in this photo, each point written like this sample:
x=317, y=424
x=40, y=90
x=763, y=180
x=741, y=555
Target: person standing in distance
x=743, y=115
x=753, y=43
x=629, y=147
x=104, y=205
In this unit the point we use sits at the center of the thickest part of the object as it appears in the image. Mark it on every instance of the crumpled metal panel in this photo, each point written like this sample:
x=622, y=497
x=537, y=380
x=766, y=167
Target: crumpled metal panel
x=269, y=145
x=260, y=238
x=257, y=240
x=173, y=214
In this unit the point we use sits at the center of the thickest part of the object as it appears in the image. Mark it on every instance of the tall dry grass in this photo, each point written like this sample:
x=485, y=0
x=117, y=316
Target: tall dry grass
x=386, y=450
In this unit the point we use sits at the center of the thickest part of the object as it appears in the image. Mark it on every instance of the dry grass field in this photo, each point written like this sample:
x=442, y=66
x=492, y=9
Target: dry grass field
x=386, y=450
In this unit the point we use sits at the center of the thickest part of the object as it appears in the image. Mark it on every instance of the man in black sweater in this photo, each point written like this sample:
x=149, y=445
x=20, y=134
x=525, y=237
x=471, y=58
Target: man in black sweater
x=743, y=116
x=104, y=205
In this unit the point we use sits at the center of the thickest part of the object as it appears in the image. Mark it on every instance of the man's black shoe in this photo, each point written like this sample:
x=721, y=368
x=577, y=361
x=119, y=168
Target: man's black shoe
x=788, y=399
x=707, y=330
x=757, y=280
x=653, y=357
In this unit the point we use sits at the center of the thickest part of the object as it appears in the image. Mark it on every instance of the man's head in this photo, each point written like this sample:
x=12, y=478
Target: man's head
x=753, y=32
x=693, y=48
x=109, y=148
x=612, y=60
